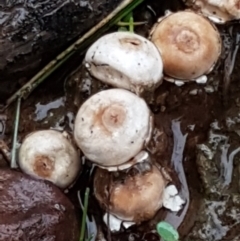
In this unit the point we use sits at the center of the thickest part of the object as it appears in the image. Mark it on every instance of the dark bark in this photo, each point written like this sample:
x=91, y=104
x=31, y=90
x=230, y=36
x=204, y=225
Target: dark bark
x=34, y=210
x=32, y=32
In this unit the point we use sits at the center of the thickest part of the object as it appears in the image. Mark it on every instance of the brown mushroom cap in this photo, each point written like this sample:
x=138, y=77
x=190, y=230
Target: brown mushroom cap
x=189, y=44
x=233, y=7
x=132, y=197
x=34, y=210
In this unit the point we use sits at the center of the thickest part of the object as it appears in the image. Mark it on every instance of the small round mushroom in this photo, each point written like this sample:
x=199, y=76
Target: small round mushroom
x=125, y=60
x=218, y=11
x=49, y=155
x=189, y=44
x=112, y=127
x=134, y=198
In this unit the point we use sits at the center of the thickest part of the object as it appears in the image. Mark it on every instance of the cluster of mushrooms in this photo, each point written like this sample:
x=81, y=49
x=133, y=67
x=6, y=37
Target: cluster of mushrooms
x=113, y=127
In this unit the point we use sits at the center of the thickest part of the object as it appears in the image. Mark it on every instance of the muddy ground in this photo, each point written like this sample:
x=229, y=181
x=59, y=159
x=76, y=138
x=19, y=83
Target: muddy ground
x=197, y=135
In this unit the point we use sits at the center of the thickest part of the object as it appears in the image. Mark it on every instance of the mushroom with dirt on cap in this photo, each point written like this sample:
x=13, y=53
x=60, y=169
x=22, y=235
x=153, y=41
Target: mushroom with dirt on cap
x=190, y=46
x=218, y=11
x=135, y=195
x=125, y=60
x=50, y=155
x=112, y=127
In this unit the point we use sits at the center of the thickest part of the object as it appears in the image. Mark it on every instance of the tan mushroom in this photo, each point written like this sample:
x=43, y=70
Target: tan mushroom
x=135, y=195
x=189, y=44
x=133, y=198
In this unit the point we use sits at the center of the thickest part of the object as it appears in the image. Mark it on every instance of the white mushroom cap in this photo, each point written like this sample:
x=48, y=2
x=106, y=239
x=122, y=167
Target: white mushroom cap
x=134, y=198
x=48, y=154
x=125, y=60
x=189, y=44
x=112, y=126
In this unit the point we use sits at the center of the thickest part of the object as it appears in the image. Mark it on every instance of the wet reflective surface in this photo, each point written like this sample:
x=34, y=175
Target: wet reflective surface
x=196, y=138
x=34, y=210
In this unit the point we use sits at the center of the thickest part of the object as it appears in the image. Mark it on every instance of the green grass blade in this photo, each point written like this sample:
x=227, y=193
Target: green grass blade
x=15, y=135
x=78, y=47
x=86, y=196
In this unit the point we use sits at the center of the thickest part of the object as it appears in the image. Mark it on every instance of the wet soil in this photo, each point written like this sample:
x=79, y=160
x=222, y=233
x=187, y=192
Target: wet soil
x=196, y=137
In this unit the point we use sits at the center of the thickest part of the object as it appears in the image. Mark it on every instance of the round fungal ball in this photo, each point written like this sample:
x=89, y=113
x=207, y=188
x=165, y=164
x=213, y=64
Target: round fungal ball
x=112, y=126
x=189, y=44
x=125, y=60
x=232, y=7
x=134, y=197
x=219, y=11
x=49, y=155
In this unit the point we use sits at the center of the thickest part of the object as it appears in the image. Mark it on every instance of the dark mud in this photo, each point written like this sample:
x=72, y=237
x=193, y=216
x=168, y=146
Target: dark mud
x=196, y=137
x=177, y=125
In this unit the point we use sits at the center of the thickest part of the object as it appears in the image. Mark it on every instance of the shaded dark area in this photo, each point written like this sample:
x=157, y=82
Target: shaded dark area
x=161, y=7
x=34, y=210
x=34, y=32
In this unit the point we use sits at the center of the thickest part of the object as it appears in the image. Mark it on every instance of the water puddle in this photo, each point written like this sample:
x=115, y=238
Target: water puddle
x=218, y=163
x=177, y=161
x=42, y=110
x=229, y=62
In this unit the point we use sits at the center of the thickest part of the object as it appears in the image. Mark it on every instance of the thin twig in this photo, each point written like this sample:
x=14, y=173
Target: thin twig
x=15, y=135
x=131, y=25
x=125, y=24
x=80, y=45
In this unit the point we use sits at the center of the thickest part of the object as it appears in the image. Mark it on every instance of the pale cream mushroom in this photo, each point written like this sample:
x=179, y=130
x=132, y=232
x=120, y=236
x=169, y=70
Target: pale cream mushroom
x=218, y=11
x=49, y=155
x=112, y=127
x=125, y=60
x=189, y=44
